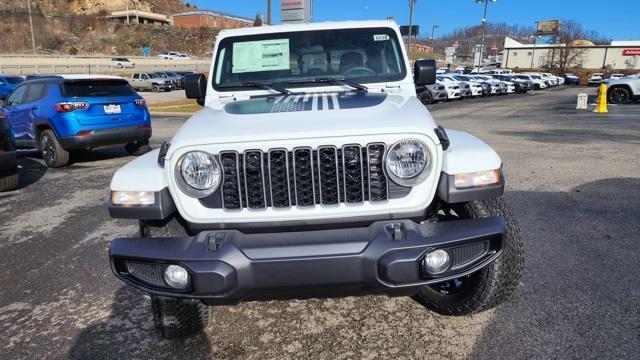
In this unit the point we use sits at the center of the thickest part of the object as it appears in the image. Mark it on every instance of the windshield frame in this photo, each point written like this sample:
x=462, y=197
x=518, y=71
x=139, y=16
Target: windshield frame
x=226, y=43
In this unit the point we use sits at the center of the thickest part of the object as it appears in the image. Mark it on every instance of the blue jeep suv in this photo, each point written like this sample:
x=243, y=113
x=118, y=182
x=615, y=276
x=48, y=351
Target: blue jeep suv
x=59, y=114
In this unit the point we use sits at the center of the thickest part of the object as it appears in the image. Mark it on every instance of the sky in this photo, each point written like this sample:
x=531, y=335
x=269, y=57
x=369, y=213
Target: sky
x=619, y=22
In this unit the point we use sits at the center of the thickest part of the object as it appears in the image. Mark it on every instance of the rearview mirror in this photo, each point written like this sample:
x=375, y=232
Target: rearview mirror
x=424, y=72
x=195, y=87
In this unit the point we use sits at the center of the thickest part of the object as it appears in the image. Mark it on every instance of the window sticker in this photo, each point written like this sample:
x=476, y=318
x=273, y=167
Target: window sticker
x=380, y=37
x=263, y=55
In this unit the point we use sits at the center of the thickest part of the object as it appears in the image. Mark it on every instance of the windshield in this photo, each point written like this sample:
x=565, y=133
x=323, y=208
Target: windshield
x=361, y=55
x=170, y=73
x=154, y=76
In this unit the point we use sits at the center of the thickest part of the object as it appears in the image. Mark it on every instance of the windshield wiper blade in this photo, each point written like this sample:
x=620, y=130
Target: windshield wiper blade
x=266, y=86
x=330, y=80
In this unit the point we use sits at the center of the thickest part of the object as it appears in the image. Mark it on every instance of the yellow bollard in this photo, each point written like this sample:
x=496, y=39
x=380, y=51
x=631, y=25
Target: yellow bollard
x=601, y=107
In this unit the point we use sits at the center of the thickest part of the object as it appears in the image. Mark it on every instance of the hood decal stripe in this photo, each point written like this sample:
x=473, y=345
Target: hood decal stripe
x=304, y=102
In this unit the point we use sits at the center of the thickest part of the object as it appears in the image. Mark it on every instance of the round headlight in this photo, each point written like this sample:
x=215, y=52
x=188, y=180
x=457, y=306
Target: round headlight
x=407, y=161
x=199, y=174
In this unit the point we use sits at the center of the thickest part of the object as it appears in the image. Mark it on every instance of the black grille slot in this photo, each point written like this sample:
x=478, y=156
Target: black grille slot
x=279, y=178
x=465, y=254
x=231, y=198
x=328, y=175
x=304, y=178
x=353, y=176
x=377, y=179
x=254, y=179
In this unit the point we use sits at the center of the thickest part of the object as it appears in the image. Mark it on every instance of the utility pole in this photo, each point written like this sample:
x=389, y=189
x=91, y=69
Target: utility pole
x=269, y=12
x=412, y=4
x=484, y=28
x=433, y=39
x=127, y=12
x=33, y=38
x=533, y=53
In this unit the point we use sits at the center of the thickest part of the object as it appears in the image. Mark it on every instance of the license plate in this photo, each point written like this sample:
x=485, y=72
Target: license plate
x=112, y=109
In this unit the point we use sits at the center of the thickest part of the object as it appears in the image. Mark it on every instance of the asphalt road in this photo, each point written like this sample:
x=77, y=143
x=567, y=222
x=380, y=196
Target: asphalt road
x=573, y=179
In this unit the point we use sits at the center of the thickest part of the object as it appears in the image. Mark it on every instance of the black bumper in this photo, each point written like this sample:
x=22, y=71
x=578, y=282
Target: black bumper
x=386, y=257
x=106, y=137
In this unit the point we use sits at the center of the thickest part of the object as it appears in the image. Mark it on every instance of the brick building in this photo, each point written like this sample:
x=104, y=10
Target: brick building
x=207, y=18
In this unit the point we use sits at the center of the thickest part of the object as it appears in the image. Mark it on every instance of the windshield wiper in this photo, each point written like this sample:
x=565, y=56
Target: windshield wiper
x=266, y=86
x=330, y=80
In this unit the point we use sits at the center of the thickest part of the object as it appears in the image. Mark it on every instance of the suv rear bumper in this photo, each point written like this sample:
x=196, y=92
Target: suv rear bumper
x=106, y=137
x=228, y=266
x=8, y=163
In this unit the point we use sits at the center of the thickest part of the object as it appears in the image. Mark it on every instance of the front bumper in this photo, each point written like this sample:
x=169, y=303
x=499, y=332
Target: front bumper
x=228, y=266
x=107, y=137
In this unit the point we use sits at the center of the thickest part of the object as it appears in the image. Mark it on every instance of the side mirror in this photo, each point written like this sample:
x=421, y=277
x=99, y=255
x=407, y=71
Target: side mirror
x=424, y=72
x=195, y=87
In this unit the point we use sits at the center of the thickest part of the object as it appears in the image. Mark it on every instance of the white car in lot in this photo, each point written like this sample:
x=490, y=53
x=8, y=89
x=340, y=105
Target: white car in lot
x=122, y=63
x=616, y=76
x=172, y=55
x=595, y=79
x=538, y=83
x=452, y=88
x=476, y=87
x=327, y=179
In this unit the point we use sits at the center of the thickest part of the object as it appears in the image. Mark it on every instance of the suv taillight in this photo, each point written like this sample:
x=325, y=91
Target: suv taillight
x=140, y=102
x=71, y=106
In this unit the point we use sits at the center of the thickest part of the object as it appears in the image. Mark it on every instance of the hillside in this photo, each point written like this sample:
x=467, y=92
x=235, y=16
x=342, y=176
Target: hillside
x=89, y=7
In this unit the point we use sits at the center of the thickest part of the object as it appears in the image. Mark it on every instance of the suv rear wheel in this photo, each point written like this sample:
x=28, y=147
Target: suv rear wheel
x=52, y=152
x=489, y=286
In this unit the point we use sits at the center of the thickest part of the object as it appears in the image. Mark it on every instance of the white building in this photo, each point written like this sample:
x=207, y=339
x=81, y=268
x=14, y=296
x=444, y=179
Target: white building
x=622, y=55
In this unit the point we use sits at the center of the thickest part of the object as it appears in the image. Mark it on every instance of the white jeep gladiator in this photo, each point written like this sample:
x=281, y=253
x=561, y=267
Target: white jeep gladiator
x=314, y=171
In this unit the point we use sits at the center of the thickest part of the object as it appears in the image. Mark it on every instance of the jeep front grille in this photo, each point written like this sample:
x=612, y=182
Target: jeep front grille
x=305, y=177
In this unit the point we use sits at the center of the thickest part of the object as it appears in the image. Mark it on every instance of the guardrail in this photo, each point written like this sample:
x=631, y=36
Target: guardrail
x=99, y=69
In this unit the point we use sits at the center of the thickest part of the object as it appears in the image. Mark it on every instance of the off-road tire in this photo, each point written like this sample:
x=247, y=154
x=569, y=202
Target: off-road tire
x=53, y=154
x=176, y=318
x=8, y=182
x=155, y=88
x=137, y=148
x=618, y=95
x=493, y=284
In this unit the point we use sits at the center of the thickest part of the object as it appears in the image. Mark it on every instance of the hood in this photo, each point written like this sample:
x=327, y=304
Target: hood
x=306, y=117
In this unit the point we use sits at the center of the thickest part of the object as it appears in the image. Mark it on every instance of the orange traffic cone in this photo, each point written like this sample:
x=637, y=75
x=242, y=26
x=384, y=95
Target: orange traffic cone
x=601, y=107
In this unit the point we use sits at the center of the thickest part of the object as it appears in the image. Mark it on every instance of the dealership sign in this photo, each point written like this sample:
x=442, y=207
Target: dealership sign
x=631, y=52
x=295, y=11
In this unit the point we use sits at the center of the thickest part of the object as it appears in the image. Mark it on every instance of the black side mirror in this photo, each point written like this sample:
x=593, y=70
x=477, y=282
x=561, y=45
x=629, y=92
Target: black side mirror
x=195, y=87
x=424, y=72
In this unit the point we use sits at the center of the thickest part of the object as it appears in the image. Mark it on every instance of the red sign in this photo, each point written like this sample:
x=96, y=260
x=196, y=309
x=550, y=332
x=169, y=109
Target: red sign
x=631, y=52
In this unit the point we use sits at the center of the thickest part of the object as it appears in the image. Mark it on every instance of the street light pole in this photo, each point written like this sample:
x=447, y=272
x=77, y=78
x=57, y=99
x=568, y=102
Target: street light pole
x=412, y=4
x=33, y=38
x=484, y=28
x=533, y=53
x=433, y=39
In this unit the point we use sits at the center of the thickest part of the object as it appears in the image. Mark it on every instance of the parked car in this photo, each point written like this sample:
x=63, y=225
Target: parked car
x=150, y=81
x=475, y=88
x=616, y=76
x=428, y=94
x=183, y=57
x=595, y=79
x=503, y=86
x=571, y=79
x=465, y=88
x=8, y=83
x=169, y=55
x=176, y=80
x=624, y=89
x=488, y=87
x=8, y=164
x=538, y=83
x=61, y=114
x=520, y=85
x=122, y=63
x=184, y=73
x=342, y=188
x=453, y=90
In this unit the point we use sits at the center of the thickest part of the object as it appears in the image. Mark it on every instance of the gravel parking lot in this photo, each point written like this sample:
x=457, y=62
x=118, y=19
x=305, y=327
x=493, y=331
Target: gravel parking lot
x=573, y=179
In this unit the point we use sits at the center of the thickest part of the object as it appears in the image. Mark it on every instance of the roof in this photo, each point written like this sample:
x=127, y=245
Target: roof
x=215, y=13
x=328, y=25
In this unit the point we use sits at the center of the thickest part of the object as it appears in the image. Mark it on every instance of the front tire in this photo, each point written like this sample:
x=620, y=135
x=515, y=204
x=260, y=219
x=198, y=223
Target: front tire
x=619, y=95
x=176, y=318
x=51, y=150
x=155, y=88
x=489, y=286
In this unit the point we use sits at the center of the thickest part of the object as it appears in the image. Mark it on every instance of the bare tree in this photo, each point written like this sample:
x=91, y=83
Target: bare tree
x=572, y=49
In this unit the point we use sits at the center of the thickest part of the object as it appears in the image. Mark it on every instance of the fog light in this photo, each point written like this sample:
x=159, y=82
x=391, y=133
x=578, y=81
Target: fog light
x=176, y=276
x=436, y=261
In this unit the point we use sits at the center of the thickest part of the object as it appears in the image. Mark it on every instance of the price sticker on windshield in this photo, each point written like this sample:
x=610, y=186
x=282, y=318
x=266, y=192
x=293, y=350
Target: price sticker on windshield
x=264, y=55
x=380, y=37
